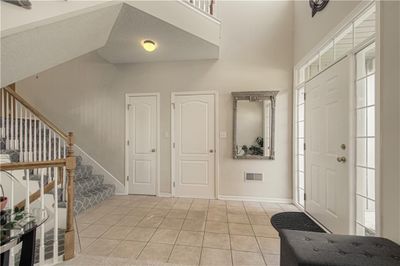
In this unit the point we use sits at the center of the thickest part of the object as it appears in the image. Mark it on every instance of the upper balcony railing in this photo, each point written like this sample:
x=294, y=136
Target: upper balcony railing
x=207, y=6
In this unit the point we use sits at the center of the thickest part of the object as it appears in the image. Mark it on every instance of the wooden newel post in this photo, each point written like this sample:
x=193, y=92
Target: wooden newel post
x=69, y=244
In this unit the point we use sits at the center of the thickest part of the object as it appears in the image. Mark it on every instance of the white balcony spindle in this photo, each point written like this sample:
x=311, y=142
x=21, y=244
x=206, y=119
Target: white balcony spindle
x=43, y=212
x=12, y=202
x=21, y=151
x=7, y=135
x=40, y=141
x=30, y=137
x=3, y=114
x=12, y=141
x=55, y=245
x=34, y=139
x=26, y=136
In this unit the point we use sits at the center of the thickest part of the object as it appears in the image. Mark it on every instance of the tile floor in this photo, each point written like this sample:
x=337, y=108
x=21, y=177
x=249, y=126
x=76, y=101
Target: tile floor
x=141, y=230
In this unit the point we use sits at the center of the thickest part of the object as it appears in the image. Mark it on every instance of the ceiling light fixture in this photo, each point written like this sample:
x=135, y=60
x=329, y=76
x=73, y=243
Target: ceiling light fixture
x=149, y=45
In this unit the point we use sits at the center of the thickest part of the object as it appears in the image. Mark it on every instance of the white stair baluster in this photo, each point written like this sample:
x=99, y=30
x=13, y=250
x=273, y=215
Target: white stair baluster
x=40, y=141
x=34, y=139
x=12, y=251
x=26, y=136
x=43, y=213
x=7, y=134
x=30, y=137
x=55, y=245
x=27, y=203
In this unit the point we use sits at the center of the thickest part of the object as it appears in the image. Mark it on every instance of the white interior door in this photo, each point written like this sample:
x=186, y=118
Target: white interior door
x=194, y=136
x=327, y=138
x=142, y=124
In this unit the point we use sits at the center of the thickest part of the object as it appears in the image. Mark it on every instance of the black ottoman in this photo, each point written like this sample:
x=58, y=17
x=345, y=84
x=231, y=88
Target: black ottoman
x=312, y=249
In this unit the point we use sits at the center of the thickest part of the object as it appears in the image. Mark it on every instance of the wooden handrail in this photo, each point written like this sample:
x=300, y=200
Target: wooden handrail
x=34, y=196
x=37, y=113
x=33, y=165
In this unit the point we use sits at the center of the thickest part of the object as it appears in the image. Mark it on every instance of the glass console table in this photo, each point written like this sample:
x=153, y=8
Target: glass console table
x=20, y=227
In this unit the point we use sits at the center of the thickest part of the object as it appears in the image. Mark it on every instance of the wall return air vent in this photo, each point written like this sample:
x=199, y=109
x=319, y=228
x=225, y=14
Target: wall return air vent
x=253, y=177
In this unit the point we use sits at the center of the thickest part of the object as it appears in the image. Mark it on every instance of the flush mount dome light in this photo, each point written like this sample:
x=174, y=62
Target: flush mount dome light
x=149, y=45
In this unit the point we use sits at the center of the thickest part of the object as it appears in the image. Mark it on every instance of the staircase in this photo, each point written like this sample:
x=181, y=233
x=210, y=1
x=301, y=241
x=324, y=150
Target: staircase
x=90, y=189
x=40, y=157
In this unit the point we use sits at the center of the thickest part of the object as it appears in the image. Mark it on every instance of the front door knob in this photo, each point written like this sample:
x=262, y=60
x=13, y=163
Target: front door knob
x=341, y=159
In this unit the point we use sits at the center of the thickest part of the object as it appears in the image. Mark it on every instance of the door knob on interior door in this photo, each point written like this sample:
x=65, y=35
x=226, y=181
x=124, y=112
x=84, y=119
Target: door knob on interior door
x=153, y=150
x=341, y=159
x=211, y=151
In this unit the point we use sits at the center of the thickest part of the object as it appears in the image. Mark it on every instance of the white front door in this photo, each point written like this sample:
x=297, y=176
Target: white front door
x=327, y=140
x=194, y=152
x=142, y=137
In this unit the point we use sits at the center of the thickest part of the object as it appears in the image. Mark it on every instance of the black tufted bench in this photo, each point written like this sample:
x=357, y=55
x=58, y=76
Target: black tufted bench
x=303, y=248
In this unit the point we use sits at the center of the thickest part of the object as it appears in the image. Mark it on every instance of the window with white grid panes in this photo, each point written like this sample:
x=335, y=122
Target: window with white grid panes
x=300, y=145
x=365, y=141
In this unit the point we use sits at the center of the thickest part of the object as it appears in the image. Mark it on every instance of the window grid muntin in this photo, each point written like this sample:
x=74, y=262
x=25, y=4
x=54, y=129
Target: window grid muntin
x=367, y=201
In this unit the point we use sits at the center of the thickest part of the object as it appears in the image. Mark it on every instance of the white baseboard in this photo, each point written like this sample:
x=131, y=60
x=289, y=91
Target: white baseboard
x=260, y=199
x=99, y=169
x=164, y=195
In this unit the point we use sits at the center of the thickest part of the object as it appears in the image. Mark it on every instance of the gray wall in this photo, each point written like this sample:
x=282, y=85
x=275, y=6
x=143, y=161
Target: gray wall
x=87, y=95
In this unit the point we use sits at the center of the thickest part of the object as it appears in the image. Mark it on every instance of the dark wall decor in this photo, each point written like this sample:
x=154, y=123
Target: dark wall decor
x=317, y=5
x=22, y=3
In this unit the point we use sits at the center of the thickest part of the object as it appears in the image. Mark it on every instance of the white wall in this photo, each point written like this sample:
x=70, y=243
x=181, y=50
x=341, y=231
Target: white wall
x=309, y=31
x=389, y=52
x=87, y=95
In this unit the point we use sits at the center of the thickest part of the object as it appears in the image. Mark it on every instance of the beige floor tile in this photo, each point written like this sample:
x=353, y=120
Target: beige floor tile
x=117, y=232
x=241, y=229
x=139, y=211
x=196, y=214
x=241, y=258
x=141, y=234
x=128, y=249
x=272, y=259
x=101, y=247
x=85, y=242
x=82, y=226
x=210, y=256
x=265, y=231
x=181, y=206
x=269, y=245
x=95, y=230
x=156, y=252
x=177, y=214
x=217, y=227
x=165, y=236
x=158, y=212
x=190, y=238
x=238, y=218
x=259, y=219
x=244, y=243
x=129, y=221
x=120, y=211
x=213, y=240
x=234, y=203
x=194, y=225
x=151, y=221
x=89, y=217
x=172, y=223
x=109, y=219
x=185, y=255
x=236, y=209
x=217, y=217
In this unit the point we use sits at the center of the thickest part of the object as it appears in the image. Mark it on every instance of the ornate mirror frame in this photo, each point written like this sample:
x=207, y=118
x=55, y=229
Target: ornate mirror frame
x=254, y=96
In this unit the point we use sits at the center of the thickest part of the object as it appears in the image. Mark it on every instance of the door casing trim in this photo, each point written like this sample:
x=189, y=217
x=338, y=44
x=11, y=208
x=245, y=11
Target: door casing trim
x=216, y=136
x=127, y=96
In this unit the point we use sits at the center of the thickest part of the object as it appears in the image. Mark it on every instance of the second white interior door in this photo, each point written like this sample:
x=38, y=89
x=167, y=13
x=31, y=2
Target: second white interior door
x=194, y=152
x=142, y=123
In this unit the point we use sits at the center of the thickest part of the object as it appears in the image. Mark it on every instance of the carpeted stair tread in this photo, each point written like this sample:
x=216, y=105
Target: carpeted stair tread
x=83, y=184
x=83, y=171
x=90, y=198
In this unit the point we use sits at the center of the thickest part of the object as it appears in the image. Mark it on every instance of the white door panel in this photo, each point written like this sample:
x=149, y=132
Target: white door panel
x=194, y=131
x=327, y=128
x=142, y=149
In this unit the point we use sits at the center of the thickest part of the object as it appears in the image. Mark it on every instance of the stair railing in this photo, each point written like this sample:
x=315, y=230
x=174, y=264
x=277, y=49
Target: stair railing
x=206, y=6
x=44, y=149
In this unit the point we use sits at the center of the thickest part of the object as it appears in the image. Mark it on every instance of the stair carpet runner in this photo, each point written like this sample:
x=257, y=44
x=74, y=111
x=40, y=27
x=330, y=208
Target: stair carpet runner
x=90, y=189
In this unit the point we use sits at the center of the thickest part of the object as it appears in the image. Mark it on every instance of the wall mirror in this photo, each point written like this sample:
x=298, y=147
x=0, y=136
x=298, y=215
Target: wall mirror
x=254, y=125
